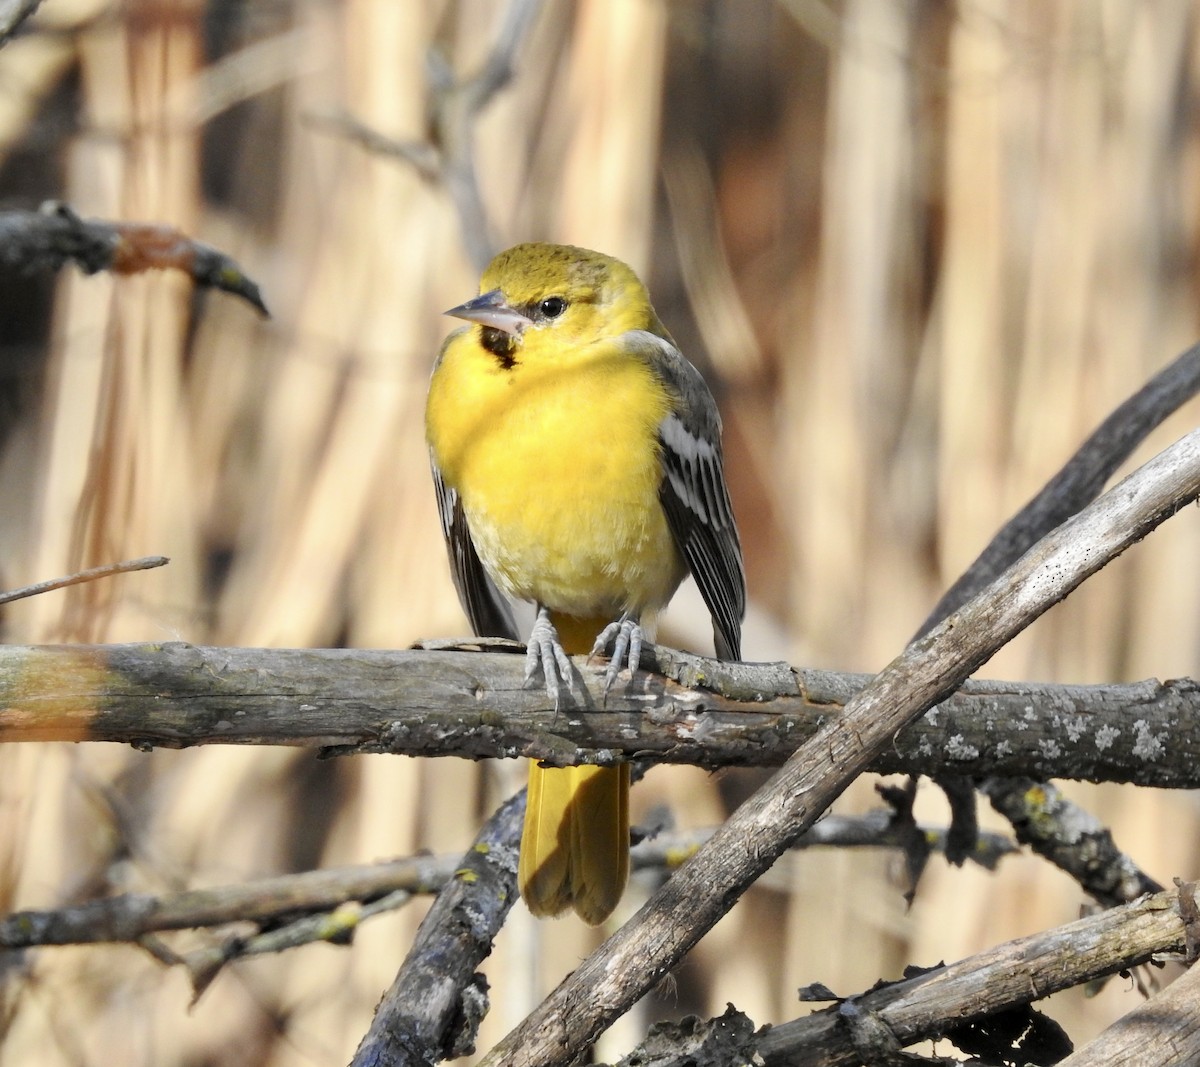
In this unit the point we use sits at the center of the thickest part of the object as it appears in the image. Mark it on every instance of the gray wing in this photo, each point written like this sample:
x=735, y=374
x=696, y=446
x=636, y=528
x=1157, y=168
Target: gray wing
x=694, y=495
x=487, y=609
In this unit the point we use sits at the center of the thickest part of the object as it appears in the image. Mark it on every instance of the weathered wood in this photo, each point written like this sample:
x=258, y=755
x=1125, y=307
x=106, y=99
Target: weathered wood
x=473, y=704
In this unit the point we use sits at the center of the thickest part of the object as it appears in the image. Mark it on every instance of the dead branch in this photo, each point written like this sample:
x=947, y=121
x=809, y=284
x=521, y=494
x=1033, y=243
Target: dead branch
x=435, y=1004
x=1160, y=1033
x=131, y=916
x=267, y=902
x=1070, y=837
x=448, y=156
x=629, y=963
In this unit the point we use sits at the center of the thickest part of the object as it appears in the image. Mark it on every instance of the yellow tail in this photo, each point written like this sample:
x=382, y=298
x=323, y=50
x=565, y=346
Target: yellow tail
x=575, y=845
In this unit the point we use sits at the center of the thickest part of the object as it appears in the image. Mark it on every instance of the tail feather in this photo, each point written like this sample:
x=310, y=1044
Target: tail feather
x=575, y=848
x=575, y=844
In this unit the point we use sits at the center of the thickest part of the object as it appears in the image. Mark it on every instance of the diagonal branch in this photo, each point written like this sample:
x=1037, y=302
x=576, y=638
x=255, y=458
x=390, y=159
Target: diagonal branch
x=437, y=1000
x=630, y=962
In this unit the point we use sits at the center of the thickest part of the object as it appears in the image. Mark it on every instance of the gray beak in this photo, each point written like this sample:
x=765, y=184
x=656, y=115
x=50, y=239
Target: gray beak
x=491, y=309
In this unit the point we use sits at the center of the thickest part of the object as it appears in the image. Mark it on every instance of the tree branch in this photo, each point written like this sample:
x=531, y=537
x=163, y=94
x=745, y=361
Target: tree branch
x=448, y=155
x=437, y=1000
x=630, y=962
x=466, y=703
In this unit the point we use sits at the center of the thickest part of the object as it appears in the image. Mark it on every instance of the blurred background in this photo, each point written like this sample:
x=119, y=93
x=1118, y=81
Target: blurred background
x=919, y=249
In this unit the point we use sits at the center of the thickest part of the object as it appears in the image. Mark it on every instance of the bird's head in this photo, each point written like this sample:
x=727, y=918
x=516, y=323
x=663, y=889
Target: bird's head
x=537, y=298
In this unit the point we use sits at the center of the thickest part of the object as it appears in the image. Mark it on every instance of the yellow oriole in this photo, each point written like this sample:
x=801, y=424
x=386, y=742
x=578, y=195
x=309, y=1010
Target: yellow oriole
x=577, y=460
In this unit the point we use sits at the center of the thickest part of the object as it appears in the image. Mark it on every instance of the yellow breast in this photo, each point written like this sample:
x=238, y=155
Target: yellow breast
x=558, y=469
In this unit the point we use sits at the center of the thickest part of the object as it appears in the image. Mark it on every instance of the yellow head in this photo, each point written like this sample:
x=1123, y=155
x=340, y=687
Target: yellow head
x=544, y=299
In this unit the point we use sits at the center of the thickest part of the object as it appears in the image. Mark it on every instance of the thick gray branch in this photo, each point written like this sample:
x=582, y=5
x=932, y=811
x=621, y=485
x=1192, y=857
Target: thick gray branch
x=473, y=704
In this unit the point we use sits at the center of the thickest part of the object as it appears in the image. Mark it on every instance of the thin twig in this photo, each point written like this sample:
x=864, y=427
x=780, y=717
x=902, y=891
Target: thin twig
x=448, y=156
x=145, y=563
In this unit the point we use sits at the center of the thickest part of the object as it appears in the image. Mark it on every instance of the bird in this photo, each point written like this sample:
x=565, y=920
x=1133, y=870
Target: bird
x=577, y=463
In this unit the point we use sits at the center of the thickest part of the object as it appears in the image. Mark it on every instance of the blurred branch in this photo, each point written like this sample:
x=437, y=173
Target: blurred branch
x=474, y=704
x=448, y=156
x=336, y=927
x=130, y=917
x=636, y=957
x=45, y=240
x=437, y=999
x=12, y=14
x=1008, y=976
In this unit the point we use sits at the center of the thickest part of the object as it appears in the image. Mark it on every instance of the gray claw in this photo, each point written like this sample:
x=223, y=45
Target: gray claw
x=545, y=655
x=627, y=639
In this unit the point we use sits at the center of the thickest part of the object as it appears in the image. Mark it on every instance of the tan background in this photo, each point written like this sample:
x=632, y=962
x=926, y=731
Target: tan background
x=919, y=249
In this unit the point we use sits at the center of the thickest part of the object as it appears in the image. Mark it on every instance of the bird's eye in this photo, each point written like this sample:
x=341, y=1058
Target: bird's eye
x=552, y=307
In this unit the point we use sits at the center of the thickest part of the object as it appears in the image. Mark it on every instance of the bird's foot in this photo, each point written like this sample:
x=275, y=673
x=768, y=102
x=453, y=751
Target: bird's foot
x=545, y=655
x=627, y=637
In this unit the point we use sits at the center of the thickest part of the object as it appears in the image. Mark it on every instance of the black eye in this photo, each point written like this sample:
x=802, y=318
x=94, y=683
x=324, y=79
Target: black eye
x=552, y=307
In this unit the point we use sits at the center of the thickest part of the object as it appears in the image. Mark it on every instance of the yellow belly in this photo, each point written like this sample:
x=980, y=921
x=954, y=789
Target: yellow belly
x=558, y=471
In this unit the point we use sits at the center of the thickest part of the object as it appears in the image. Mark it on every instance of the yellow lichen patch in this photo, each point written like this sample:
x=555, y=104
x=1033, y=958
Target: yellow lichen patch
x=677, y=857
